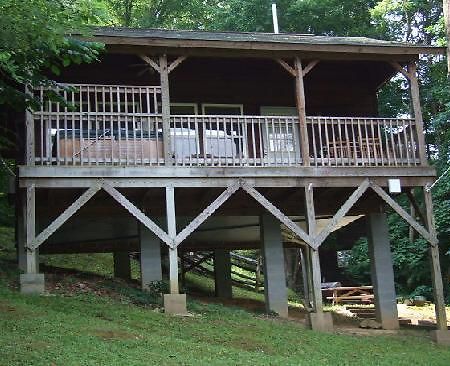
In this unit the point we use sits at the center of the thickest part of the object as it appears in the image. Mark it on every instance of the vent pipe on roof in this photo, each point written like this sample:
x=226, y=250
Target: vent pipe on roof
x=275, y=18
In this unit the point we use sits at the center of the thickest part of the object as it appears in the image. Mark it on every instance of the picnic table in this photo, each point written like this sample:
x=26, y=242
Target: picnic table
x=361, y=294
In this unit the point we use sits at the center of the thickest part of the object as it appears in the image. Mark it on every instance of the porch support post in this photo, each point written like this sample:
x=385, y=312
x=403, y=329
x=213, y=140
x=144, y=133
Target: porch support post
x=275, y=289
x=122, y=265
x=150, y=245
x=415, y=99
x=222, y=274
x=318, y=320
x=174, y=303
x=301, y=107
x=304, y=254
x=21, y=237
x=31, y=282
x=382, y=272
x=165, y=108
x=441, y=335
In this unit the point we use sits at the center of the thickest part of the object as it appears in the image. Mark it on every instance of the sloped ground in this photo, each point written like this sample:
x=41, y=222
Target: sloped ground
x=94, y=320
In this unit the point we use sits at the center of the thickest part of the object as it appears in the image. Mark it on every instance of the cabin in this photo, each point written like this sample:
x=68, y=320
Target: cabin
x=179, y=141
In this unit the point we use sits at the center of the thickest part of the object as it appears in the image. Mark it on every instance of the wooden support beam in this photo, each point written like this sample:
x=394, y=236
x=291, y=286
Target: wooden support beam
x=30, y=137
x=400, y=69
x=30, y=230
x=151, y=62
x=415, y=206
x=287, y=67
x=415, y=99
x=301, y=108
x=397, y=208
x=339, y=216
x=67, y=214
x=277, y=213
x=316, y=279
x=207, y=212
x=172, y=231
x=132, y=209
x=165, y=110
x=436, y=276
x=309, y=67
x=176, y=63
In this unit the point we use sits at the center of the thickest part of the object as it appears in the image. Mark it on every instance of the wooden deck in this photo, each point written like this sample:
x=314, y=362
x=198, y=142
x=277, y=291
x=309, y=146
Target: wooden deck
x=117, y=125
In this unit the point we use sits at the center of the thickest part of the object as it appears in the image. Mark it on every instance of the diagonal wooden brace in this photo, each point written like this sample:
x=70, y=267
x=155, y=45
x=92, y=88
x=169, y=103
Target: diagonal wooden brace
x=355, y=196
x=405, y=215
x=277, y=213
x=61, y=219
x=136, y=212
x=207, y=212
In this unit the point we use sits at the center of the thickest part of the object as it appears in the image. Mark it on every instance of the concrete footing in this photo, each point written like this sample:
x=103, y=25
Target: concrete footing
x=175, y=304
x=32, y=283
x=320, y=322
x=441, y=337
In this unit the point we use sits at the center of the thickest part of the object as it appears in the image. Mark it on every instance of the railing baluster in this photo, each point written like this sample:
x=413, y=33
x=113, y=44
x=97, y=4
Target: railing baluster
x=382, y=153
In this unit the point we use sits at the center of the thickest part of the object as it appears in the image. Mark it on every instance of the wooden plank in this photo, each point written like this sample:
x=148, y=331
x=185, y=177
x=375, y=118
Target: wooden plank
x=309, y=67
x=301, y=108
x=397, y=208
x=207, y=212
x=151, y=62
x=277, y=213
x=30, y=138
x=415, y=98
x=287, y=67
x=355, y=196
x=165, y=110
x=176, y=63
x=131, y=208
x=315, y=272
x=415, y=206
x=400, y=69
x=67, y=214
x=30, y=229
x=224, y=172
x=436, y=275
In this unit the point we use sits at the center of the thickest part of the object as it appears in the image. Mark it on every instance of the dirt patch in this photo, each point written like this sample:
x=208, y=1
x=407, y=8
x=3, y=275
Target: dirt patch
x=252, y=346
x=7, y=311
x=109, y=334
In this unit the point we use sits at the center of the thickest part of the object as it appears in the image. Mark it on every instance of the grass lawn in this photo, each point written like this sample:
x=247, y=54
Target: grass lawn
x=97, y=327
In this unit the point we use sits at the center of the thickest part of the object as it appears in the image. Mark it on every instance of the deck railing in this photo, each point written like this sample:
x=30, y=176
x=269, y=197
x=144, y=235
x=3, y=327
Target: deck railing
x=123, y=125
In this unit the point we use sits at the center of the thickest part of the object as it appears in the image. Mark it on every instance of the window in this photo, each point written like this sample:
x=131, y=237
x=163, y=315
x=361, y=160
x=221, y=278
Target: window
x=280, y=135
x=223, y=109
x=183, y=108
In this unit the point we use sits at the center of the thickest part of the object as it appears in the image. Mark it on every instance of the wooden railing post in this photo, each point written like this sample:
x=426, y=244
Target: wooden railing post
x=415, y=99
x=301, y=107
x=29, y=140
x=165, y=109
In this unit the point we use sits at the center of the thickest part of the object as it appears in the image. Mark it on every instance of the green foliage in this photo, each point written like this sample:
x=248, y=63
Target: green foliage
x=34, y=42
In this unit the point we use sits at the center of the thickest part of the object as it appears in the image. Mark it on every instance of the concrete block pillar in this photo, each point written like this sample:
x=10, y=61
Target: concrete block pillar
x=382, y=271
x=122, y=265
x=150, y=257
x=275, y=289
x=222, y=274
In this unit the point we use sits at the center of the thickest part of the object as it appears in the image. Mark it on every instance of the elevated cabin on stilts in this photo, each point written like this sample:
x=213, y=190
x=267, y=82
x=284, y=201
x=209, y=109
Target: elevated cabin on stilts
x=177, y=141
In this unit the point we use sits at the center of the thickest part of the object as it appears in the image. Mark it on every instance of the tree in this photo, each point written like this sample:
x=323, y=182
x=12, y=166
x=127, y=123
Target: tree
x=35, y=43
